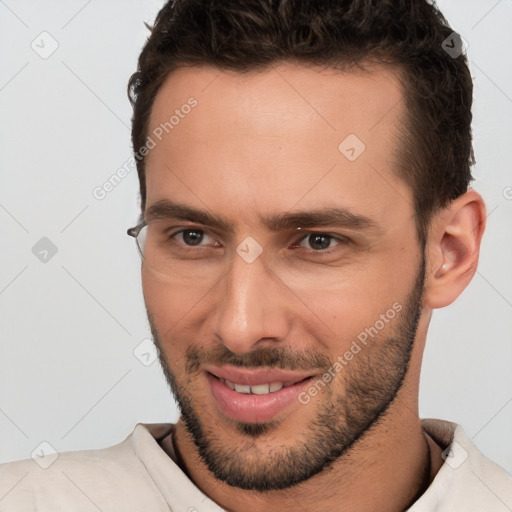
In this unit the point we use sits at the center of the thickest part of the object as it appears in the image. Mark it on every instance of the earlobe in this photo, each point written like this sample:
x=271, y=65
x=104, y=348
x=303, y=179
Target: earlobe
x=453, y=249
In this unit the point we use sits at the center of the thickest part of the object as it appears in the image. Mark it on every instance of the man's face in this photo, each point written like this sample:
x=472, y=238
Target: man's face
x=330, y=309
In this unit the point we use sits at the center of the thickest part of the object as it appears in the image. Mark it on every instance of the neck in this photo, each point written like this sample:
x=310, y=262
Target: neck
x=392, y=465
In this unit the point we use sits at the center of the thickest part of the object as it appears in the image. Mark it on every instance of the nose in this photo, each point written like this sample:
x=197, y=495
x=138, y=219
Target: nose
x=251, y=306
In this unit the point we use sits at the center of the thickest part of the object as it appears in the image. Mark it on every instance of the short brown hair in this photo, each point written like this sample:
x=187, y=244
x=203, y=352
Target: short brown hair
x=435, y=153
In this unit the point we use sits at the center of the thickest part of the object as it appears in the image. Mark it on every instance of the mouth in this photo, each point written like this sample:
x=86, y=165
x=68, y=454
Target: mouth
x=258, y=389
x=255, y=396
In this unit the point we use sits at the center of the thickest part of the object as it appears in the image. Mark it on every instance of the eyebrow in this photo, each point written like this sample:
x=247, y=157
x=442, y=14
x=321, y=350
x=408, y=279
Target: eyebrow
x=321, y=217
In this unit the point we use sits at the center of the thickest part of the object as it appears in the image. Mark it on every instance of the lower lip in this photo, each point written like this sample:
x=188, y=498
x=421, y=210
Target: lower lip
x=251, y=408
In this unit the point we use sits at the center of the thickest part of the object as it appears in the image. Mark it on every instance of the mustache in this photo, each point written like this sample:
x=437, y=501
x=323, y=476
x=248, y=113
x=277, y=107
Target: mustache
x=280, y=358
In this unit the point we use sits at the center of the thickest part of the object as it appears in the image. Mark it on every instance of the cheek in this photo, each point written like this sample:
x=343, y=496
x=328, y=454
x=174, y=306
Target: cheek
x=169, y=301
x=368, y=322
x=157, y=298
x=167, y=306
x=361, y=312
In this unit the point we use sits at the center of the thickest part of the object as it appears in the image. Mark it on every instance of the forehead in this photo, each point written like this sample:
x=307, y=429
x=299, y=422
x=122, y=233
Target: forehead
x=310, y=96
x=272, y=138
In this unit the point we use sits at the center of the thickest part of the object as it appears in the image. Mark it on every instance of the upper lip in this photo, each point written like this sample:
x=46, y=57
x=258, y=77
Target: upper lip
x=256, y=376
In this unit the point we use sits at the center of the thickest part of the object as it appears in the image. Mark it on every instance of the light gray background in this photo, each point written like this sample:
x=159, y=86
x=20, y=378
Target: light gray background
x=68, y=328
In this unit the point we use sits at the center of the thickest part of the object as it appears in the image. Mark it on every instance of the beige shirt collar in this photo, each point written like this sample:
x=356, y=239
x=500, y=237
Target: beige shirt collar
x=467, y=480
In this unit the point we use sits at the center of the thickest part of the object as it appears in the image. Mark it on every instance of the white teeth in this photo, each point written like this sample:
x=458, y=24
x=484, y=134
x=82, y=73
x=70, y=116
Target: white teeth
x=229, y=384
x=260, y=389
x=242, y=388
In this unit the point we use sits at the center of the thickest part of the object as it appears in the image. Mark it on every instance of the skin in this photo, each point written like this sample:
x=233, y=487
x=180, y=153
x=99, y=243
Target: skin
x=267, y=143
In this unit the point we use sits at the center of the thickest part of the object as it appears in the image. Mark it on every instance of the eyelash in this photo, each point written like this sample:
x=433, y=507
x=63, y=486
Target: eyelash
x=340, y=239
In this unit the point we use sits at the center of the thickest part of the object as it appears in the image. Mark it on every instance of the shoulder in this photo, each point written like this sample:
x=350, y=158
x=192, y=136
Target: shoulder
x=81, y=480
x=468, y=480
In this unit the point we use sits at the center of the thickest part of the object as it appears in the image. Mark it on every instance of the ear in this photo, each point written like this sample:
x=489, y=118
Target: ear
x=453, y=249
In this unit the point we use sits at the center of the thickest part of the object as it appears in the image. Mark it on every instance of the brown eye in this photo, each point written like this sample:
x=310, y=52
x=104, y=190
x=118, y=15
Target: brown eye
x=320, y=242
x=192, y=236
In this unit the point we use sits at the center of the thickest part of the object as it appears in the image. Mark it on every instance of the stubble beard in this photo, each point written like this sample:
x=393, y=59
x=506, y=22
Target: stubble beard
x=372, y=381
